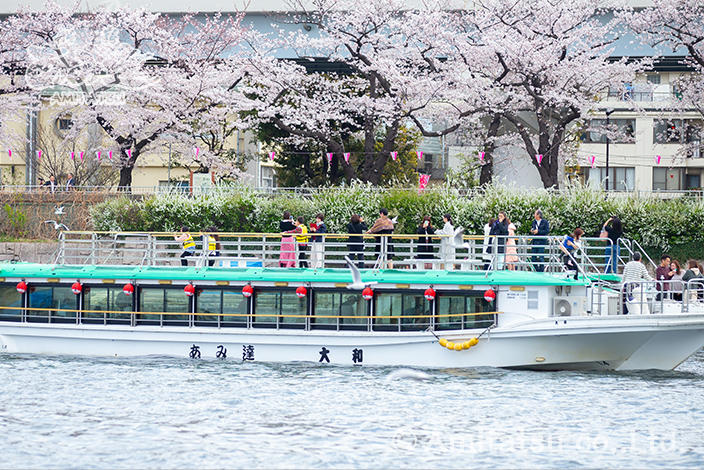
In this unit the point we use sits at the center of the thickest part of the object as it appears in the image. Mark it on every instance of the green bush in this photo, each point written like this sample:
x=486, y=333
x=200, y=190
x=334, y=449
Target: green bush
x=653, y=222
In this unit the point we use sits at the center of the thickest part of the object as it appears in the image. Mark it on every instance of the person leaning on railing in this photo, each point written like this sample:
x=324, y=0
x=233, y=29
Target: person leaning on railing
x=569, y=246
x=613, y=230
x=694, y=271
x=189, y=245
x=541, y=228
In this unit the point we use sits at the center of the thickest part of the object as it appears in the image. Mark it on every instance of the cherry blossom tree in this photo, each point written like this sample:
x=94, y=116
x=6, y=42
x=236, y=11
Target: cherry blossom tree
x=677, y=26
x=138, y=75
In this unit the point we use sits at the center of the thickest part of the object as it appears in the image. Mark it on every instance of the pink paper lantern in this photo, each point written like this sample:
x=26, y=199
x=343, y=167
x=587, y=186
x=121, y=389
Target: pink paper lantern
x=97, y=154
x=592, y=161
x=394, y=156
x=129, y=154
x=9, y=152
x=539, y=158
x=196, y=150
x=39, y=154
x=73, y=156
x=657, y=159
x=329, y=155
x=420, y=154
x=110, y=155
x=272, y=155
x=347, y=157
x=481, y=157
x=81, y=155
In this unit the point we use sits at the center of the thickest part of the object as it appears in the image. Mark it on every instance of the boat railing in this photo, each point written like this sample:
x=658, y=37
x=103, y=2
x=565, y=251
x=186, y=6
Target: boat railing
x=250, y=319
x=661, y=296
x=448, y=252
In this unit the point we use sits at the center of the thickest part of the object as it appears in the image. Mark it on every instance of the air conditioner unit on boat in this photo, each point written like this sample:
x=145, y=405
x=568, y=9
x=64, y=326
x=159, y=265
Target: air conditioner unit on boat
x=568, y=306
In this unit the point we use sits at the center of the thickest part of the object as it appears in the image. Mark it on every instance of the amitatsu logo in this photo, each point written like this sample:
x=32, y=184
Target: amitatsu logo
x=89, y=65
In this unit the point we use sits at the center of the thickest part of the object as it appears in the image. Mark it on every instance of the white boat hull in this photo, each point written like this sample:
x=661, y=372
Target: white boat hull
x=613, y=343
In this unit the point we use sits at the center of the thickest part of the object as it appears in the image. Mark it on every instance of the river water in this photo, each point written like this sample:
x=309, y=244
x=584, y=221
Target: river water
x=175, y=413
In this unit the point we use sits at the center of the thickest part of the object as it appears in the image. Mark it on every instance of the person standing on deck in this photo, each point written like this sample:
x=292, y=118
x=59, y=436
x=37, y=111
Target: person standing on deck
x=355, y=244
x=212, y=241
x=287, y=252
x=301, y=232
x=70, y=182
x=383, y=225
x=633, y=273
x=569, y=246
x=541, y=228
x=486, y=244
x=447, y=243
x=500, y=231
x=613, y=230
x=425, y=245
x=663, y=273
x=189, y=245
x=317, y=251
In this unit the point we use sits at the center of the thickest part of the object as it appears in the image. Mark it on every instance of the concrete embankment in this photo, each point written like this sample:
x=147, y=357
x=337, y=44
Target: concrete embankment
x=29, y=252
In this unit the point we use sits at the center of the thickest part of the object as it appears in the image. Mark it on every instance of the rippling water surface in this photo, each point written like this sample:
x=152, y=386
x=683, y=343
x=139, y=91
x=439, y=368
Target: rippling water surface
x=166, y=412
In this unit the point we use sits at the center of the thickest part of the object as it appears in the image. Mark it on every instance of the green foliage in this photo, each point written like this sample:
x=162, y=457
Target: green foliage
x=655, y=223
x=17, y=218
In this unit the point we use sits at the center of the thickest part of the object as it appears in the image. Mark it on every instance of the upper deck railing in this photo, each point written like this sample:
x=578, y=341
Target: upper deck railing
x=276, y=250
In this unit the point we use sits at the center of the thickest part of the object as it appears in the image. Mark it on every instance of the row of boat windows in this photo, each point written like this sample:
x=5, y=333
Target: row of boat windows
x=329, y=309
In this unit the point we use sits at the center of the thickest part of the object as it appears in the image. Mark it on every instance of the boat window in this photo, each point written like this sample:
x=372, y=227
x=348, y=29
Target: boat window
x=9, y=297
x=218, y=301
x=106, y=299
x=350, y=305
x=404, y=307
x=50, y=297
x=453, y=305
x=172, y=301
x=268, y=305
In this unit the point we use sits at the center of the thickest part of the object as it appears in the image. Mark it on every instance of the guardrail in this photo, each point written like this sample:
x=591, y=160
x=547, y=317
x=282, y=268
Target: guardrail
x=446, y=252
x=661, y=296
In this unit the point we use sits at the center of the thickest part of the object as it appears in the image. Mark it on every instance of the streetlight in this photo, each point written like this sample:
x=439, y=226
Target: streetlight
x=608, y=113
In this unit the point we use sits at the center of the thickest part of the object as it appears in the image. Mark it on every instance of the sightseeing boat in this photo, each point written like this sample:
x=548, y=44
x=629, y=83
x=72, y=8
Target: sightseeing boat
x=126, y=294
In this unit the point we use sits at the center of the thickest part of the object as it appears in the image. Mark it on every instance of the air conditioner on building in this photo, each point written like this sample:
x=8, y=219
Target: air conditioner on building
x=568, y=306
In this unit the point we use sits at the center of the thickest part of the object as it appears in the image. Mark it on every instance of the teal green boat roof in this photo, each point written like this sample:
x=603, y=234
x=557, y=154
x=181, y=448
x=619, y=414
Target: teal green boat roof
x=291, y=275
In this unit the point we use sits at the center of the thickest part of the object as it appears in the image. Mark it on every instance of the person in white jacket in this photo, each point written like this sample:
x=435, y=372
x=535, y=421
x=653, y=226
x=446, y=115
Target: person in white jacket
x=633, y=273
x=447, y=246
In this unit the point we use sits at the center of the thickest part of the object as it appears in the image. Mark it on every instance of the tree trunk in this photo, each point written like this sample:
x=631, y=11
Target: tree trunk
x=125, y=183
x=487, y=172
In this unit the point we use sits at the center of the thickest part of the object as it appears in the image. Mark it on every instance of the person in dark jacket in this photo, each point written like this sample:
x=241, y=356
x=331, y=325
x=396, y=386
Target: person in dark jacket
x=539, y=228
x=425, y=242
x=500, y=231
x=355, y=244
x=287, y=254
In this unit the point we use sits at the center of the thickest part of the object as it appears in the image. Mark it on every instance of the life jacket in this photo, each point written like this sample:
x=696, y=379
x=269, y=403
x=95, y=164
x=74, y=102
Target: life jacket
x=303, y=237
x=212, y=243
x=189, y=243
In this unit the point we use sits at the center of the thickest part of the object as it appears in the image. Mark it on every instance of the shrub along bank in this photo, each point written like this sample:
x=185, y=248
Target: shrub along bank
x=653, y=222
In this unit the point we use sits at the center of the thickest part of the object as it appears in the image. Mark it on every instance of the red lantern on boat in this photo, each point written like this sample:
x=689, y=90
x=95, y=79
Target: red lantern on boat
x=301, y=292
x=429, y=294
x=128, y=289
x=189, y=290
x=489, y=295
x=367, y=293
x=76, y=288
x=247, y=291
x=21, y=287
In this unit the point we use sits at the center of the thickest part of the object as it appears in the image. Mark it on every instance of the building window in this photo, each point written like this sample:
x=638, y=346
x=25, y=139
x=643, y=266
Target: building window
x=693, y=182
x=64, y=124
x=659, y=179
x=626, y=131
x=620, y=178
x=653, y=78
x=677, y=131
